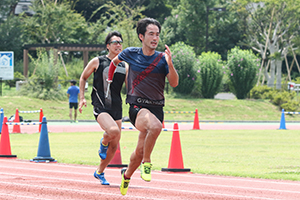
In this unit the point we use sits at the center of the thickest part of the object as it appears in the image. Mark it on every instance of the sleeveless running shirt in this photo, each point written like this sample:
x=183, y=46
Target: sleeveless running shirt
x=114, y=100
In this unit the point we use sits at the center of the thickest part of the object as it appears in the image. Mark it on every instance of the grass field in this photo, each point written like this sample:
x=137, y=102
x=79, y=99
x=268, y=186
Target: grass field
x=272, y=154
x=208, y=109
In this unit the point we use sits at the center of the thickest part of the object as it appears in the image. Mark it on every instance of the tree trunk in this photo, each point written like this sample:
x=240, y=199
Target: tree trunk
x=271, y=78
x=278, y=73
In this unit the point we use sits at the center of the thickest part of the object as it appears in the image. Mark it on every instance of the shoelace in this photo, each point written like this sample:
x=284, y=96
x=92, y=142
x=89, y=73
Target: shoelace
x=147, y=169
x=125, y=184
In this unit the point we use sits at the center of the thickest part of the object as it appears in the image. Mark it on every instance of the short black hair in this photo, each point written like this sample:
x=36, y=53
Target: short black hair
x=141, y=27
x=109, y=36
x=73, y=82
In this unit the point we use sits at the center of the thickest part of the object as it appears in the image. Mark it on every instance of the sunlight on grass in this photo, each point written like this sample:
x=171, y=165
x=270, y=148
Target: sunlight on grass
x=271, y=154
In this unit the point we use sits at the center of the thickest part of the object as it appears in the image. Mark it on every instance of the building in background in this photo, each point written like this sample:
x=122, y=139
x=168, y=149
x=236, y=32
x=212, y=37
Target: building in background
x=24, y=6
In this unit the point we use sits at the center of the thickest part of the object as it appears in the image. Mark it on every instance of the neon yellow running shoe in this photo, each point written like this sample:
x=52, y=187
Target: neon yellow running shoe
x=124, y=183
x=146, y=171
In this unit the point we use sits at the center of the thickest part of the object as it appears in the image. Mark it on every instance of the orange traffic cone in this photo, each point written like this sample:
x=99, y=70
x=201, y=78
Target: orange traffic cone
x=16, y=128
x=5, y=151
x=175, y=159
x=41, y=119
x=117, y=160
x=196, y=125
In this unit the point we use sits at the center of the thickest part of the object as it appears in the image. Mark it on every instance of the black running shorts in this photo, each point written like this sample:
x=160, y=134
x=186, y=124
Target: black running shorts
x=115, y=114
x=75, y=105
x=134, y=109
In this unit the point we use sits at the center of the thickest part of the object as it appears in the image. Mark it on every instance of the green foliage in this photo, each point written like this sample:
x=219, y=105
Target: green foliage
x=283, y=99
x=219, y=38
x=184, y=60
x=74, y=70
x=192, y=24
x=43, y=83
x=261, y=92
x=10, y=37
x=290, y=105
x=210, y=74
x=6, y=6
x=243, y=68
x=54, y=23
x=171, y=31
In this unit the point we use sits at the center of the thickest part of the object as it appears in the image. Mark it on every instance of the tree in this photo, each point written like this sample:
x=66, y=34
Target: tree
x=188, y=23
x=54, y=23
x=7, y=6
x=117, y=17
x=43, y=83
x=225, y=30
x=271, y=29
x=10, y=29
x=10, y=37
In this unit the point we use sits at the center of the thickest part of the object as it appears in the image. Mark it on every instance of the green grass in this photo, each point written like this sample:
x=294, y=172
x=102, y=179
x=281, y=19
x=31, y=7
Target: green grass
x=247, y=153
x=271, y=154
x=208, y=109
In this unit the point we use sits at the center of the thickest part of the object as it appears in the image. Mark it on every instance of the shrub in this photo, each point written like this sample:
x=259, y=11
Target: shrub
x=43, y=84
x=210, y=74
x=290, y=106
x=184, y=59
x=243, y=67
x=261, y=92
x=74, y=70
x=280, y=98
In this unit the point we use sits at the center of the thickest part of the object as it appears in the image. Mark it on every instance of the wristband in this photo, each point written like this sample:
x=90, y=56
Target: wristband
x=111, y=71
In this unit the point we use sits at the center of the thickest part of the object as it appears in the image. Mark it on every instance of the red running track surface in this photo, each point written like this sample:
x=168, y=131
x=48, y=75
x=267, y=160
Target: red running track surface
x=21, y=179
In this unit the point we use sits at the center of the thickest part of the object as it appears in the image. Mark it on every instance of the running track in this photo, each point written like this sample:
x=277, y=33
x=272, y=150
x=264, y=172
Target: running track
x=22, y=179
x=58, y=127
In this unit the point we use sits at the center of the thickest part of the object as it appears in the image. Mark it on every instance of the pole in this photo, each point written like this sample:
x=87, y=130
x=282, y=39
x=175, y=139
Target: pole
x=0, y=89
x=206, y=38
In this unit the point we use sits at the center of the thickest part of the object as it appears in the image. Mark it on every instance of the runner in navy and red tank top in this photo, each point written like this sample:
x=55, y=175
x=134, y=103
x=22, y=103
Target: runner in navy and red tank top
x=145, y=85
x=145, y=94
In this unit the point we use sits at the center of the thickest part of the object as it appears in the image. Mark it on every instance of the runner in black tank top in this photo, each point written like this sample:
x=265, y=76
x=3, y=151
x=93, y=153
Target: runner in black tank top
x=107, y=111
x=113, y=101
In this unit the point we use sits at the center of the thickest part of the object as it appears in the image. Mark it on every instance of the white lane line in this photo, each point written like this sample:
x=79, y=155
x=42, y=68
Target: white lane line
x=21, y=196
x=134, y=196
x=201, y=176
x=76, y=190
x=175, y=182
x=155, y=180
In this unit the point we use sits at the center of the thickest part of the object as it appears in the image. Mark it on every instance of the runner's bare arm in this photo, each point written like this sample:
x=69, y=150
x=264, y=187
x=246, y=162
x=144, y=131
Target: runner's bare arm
x=88, y=70
x=172, y=76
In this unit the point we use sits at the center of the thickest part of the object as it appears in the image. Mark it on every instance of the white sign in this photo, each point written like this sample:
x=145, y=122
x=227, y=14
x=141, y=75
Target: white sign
x=7, y=65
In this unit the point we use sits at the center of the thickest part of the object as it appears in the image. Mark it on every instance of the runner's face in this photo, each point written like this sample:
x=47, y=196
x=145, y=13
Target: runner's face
x=114, y=46
x=151, y=37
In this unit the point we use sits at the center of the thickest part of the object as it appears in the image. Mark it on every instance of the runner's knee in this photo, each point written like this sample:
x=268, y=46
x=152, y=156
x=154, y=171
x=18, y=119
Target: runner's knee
x=155, y=128
x=113, y=132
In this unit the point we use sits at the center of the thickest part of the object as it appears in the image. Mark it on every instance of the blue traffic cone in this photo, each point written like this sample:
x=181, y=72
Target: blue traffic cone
x=43, y=154
x=1, y=119
x=282, y=121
